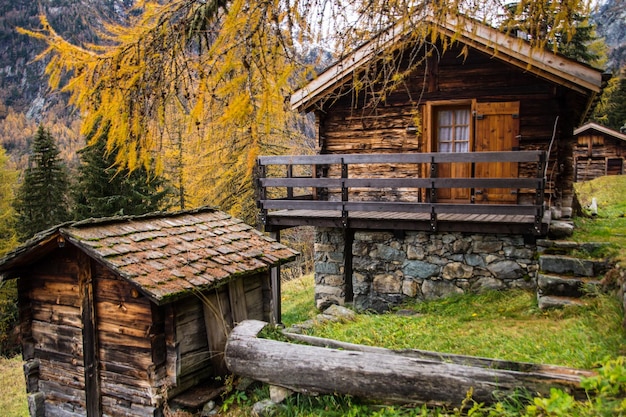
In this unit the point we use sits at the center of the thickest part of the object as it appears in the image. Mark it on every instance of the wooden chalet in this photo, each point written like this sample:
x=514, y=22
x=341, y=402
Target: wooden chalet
x=119, y=315
x=413, y=187
x=478, y=136
x=598, y=151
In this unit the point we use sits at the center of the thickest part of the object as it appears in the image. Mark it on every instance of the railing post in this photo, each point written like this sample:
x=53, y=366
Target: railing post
x=344, y=193
x=262, y=192
x=275, y=284
x=433, y=195
x=289, y=175
x=540, y=192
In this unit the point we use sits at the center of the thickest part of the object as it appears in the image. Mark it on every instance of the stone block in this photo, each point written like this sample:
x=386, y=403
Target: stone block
x=506, y=270
x=457, y=270
x=461, y=246
x=415, y=252
x=327, y=268
x=473, y=259
x=388, y=253
x=387, y=284
x=420, y=269
x=486, y=246
x=410, y=288
x=566, y=265
x=432, y=290
x=488, y=284
x=334, y=280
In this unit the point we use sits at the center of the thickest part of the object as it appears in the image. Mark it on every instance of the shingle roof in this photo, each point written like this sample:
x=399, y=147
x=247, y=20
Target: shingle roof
x=165, y=255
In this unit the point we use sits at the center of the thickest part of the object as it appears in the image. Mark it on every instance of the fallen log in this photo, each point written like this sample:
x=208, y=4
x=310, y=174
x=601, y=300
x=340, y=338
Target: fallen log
x=384, y=374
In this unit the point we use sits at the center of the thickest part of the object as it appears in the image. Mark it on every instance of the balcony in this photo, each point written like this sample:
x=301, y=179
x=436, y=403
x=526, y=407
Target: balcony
x=404, y=192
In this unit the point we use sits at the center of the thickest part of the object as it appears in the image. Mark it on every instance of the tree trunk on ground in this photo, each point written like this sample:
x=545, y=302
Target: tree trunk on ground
x=386, y=375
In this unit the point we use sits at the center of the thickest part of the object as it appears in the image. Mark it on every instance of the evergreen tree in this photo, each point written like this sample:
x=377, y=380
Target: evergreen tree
x=611, y=111
x=574, y=37
x=42, y=198
x=104, y=189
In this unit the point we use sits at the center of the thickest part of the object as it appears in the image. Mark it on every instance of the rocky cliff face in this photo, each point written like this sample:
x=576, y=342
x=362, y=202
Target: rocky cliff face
x=23, y=84
x=610, y=20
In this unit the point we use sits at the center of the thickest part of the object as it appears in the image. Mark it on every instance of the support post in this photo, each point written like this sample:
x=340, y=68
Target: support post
x=275, y=283
x=347, y=264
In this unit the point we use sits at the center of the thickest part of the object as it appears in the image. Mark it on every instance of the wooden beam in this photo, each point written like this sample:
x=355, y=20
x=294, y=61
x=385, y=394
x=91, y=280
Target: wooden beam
x=385, y=375
x=90, y=336
x=275, y=284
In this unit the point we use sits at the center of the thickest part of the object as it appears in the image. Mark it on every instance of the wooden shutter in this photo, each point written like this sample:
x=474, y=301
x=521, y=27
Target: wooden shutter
x=496, y=129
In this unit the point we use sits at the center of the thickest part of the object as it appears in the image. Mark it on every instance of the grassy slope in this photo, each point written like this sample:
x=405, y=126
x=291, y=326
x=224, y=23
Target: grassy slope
x=12, y=388
x=502, y=325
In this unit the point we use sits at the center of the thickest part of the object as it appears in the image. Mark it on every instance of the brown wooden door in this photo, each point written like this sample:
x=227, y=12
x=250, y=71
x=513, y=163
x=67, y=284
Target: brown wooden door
x=453, y=135
x=496, y=129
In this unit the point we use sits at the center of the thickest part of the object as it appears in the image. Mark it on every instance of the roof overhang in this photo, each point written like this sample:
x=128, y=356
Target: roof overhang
x=515, y=51
x=601, y=129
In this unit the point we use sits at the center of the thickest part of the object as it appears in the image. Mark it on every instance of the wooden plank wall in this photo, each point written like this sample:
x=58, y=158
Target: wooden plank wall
x=597, y=155
x=195, y=352
x=126, y=333
x=354, y=125
x=56, y=333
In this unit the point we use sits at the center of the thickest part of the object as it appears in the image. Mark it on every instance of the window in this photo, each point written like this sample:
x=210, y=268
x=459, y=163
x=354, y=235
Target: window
x=453, y=130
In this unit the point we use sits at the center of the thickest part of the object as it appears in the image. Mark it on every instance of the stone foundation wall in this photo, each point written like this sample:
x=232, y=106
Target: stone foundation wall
x=387, y=269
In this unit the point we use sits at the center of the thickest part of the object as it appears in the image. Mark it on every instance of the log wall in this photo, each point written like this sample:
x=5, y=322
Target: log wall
x=596, y=155
x=53, y=337
x=356, y=123
x=128, y=338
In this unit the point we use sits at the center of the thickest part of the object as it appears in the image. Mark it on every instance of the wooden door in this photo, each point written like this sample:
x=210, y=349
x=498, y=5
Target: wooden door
x=453, y=135
x=496, y=129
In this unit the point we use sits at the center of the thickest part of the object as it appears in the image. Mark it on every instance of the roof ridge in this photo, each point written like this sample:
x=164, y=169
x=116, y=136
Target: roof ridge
x=147, y=216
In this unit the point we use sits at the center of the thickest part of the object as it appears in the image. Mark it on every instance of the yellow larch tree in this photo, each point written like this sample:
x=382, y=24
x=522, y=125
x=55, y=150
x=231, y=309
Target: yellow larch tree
x=203, y=82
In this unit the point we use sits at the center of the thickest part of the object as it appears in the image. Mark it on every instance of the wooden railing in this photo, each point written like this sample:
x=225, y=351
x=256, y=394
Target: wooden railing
x=302, y=183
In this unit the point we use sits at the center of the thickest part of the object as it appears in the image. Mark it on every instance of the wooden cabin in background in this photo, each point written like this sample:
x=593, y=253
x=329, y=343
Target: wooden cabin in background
x=598, y=151
x=118, y=315
x=473, y=143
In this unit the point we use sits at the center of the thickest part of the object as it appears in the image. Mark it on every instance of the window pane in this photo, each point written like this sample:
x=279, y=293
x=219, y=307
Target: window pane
x=453, y=130
x=445, y=118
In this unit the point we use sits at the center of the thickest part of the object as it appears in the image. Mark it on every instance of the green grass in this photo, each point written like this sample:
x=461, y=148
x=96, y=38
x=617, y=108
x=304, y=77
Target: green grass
x=501, y=325
x=610, y=224
x=12, y=388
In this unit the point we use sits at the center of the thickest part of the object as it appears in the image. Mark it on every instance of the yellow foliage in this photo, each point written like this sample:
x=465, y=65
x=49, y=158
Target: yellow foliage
x=198, y=87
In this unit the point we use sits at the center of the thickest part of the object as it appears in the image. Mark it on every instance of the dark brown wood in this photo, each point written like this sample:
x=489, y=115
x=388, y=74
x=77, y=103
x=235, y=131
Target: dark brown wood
x=391, y=183
x=389, y=376
x=89, y=337
x=218, y=321
x=275, y=285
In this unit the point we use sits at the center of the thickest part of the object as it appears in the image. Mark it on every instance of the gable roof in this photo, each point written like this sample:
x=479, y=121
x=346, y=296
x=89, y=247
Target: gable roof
x=164, y=255
x=594, y=127
x=545, y=64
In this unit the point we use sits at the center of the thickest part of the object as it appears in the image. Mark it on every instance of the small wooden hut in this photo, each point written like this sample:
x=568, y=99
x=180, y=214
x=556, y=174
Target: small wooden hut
x=119, y=315
x=598, y=151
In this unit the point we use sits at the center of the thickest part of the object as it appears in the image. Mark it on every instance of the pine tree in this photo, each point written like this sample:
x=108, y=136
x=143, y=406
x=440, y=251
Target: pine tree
x=574, y=37
x=104, y=189
x=42, y=199
x=611, y=111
